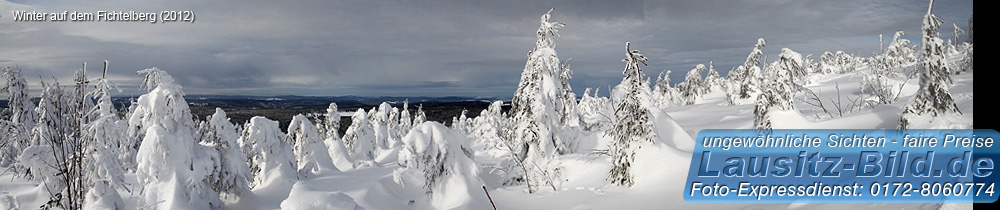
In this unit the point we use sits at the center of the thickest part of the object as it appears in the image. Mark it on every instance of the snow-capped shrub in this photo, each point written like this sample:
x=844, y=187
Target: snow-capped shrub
x=845, y=62
x=692, y=87
x=663, y=95
x=418, y=117
x=360, y=138
x=461, y=122
x=713, y=80
x=268, y=154
x=595, y=111
x=38, y=157
x=487, y=127
x=899, y=52
x=73, y=146
x=380, y=122
x=438, y=160
x=827, y=63
x=311, y=153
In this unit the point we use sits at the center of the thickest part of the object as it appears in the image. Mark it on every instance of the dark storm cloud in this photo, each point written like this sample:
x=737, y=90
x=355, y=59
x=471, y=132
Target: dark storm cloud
x=436, y=48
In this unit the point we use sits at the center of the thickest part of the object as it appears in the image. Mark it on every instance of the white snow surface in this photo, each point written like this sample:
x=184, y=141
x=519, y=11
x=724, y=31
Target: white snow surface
x=395, y=176
x=661, y=167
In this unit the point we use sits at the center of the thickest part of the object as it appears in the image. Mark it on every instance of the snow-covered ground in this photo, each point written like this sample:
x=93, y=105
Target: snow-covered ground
x=550, y=152
x=662, y=168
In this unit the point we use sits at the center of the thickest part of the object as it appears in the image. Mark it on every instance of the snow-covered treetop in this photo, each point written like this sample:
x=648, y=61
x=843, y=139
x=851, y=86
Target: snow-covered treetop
x=754, y=58
x=791, y=56
x=164, y=105
x=547, y=32
x=156, y=78
x=632, y=60
x=102, y=94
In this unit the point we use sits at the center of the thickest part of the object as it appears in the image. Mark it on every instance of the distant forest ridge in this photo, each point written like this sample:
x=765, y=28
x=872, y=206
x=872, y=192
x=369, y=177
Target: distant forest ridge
x=304, y=102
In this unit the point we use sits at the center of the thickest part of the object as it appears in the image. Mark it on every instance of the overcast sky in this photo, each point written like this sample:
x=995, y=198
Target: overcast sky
x=436, y=48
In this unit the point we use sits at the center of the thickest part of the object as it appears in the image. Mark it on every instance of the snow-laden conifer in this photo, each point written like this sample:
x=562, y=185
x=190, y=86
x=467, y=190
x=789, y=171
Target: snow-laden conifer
x=360, y=137
x=230, y=172
x=172, y=166
x=933, y=99
x=17, y=128
x=632, y=126
x=311, y=153
x=693, y=86
x=270, y=157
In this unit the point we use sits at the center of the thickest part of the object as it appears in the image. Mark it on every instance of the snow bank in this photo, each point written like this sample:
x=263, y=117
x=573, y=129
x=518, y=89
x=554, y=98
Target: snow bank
x=304, y=197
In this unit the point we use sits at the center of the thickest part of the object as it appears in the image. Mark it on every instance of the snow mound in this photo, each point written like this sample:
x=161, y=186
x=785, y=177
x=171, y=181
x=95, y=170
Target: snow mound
x=669, y=132
x=304, y=197
x=7, y=201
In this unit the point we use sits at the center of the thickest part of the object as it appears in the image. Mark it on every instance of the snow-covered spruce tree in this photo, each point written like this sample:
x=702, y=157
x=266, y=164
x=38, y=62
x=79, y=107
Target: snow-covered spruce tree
x=311, y=153
x=461, y=123
x=173, y=168
x=595, y=111
x=330, y=126
x=746, y=78
x=104, y=172
x=380, y=123
x=632, y=126
x=777, y=93
x=128, y=147
x=569, y=115
x=438, y=160
x=393, y=124
x=269, y=156
x=405, y=120
x=899, y=52
x=808, y=65
x=230, y=171
x=663, y=95
x=933, y=98
x=328, y=129
x=360, y=138
x=713, y=79
x=537, y=110
x=22, y=118
x=844, y=62
x=419, y=116
x=693, y=86
x=792, y=61
x=487, y=127
x=827, y=63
